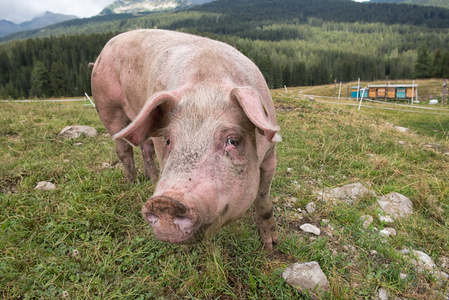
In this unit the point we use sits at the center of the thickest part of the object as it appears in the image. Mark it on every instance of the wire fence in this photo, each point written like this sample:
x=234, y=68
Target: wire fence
x=86, y=100
x=380, y=105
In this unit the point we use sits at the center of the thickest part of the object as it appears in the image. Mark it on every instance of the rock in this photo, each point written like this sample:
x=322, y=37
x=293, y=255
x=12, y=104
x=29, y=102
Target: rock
x=382, y=294
x=310, y=228
x=401, y=129
x=307, y=276
x=311, y=207
x=402, y=275
x=386, y=232
x=45, y=186
x=404, y=251
x=396, y=205
x=75, y=131
x=367, y=220
x=347, y=192
x=386, y=219
x=106, y=165
x=423, y=261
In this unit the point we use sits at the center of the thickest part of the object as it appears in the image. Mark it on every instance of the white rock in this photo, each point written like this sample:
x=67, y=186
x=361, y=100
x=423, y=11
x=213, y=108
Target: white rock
x=401, y=129
x=45, y=186
x=72, y=132
x=310, y=207
x=403, y=276
x=386, y=232
x=367, y=220
x=307, y=276
x=423, y=261
x=106, y=165
x=382, y=294
x=396, y=205
x=347, y=192
x=404, y=251
x=292, y=199
x=310, y=228
x=386, y=219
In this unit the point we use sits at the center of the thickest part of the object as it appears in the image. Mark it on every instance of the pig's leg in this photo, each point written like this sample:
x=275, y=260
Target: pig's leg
x=263, y=204
x=149, y=162
x=125, y=153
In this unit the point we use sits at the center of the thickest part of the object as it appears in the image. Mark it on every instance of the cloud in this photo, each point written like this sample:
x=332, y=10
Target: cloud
x=19, y=11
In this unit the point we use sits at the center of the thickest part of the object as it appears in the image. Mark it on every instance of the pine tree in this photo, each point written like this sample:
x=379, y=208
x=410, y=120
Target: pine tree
x=437, y=70
x=424, y=63
x=39, y=80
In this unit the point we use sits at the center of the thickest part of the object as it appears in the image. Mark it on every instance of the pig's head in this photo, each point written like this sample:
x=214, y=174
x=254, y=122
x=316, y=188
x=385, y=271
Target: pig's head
x=208, y=145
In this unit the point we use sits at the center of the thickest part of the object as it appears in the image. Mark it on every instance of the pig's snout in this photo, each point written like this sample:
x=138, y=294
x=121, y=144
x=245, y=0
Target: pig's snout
x=171, y=220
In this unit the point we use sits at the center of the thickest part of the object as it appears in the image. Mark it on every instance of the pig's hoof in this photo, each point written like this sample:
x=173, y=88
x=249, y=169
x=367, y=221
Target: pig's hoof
x=270, y=241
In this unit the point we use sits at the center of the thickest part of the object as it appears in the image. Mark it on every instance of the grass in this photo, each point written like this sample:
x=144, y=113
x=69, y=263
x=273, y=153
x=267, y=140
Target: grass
x=87, y=240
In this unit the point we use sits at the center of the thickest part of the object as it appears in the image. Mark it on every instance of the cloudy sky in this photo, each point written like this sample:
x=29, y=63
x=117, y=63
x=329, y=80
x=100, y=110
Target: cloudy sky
x=19, y=11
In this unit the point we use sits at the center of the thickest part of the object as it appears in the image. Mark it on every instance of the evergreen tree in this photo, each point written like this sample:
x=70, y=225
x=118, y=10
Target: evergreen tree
x=39, y=80
x=437, y=70
x=423, y=67
x=59, y=80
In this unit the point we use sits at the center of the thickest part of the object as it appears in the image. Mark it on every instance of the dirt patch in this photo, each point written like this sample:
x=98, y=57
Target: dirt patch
x=8, y=185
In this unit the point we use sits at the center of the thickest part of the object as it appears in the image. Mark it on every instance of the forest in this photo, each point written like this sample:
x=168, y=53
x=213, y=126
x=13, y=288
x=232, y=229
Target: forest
x=293, y=42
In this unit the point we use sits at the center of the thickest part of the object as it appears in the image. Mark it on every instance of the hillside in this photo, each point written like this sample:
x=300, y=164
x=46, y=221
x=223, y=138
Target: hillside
x=438, y=3
x=239, y=15
x=294, y=43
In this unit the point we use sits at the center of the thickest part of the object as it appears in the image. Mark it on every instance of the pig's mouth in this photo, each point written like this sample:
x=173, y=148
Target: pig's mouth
x=172, y=221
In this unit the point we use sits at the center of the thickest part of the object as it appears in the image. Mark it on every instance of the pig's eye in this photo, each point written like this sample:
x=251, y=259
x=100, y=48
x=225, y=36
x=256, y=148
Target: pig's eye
x=167, y=142
x=232, y=141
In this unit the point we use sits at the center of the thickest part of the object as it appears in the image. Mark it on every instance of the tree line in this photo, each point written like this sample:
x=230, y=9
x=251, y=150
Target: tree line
x=49, y=67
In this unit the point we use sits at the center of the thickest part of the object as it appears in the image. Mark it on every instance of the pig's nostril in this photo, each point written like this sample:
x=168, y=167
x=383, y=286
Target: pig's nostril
x=152, y=218
x=183, y=221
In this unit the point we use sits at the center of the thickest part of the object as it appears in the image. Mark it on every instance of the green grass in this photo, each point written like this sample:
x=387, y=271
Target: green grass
x=87, y=239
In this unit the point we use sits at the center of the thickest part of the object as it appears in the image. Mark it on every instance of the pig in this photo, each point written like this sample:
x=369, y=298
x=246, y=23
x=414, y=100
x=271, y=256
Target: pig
x=204, y=111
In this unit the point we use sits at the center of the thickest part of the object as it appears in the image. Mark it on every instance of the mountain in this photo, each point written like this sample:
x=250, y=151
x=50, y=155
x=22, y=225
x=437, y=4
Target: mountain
x=139, y=6
x=48, y=18
x=438, y=3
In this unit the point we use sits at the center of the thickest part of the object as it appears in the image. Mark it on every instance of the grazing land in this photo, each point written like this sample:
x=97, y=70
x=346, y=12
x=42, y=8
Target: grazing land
x=86, y=238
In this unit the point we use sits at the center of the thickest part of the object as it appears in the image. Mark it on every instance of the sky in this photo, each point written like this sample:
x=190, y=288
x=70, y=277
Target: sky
x=19, y=11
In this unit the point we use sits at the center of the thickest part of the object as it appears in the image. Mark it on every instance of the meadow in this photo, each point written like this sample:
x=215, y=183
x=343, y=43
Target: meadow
x=87, y=240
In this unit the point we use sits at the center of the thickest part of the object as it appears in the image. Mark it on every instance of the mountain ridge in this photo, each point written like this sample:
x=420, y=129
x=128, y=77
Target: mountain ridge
x=140, y=6
x=48, y=18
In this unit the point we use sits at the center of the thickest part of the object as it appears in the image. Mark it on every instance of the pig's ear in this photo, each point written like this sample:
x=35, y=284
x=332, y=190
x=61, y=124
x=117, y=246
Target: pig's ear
x=149, y=118
x=254, y=107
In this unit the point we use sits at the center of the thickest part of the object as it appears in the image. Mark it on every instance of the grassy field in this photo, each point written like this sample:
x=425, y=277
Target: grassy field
x=87, y=240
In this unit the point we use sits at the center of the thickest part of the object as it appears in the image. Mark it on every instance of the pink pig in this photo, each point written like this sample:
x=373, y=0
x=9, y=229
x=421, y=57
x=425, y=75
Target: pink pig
x=206, y=112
